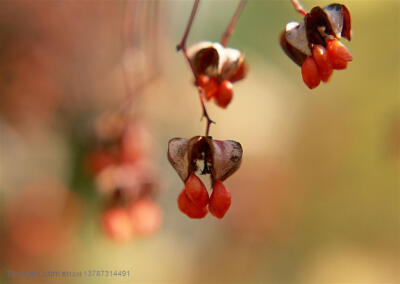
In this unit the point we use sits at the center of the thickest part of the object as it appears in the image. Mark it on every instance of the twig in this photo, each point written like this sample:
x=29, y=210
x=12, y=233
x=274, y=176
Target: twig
x=232, y=24
x=298, y=7
x=182, y=46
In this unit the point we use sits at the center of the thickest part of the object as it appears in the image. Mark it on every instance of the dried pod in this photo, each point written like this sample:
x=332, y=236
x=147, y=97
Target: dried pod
x=319, y=25
x=223, y=157
x=226, y=158
x=333, y=20
x=178, y=156
x=214, y=60
x=294, y=42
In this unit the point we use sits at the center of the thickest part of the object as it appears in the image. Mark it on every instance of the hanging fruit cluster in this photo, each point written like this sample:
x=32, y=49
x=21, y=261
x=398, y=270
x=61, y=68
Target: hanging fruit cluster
x=216, y=68
x=125, y=177
x=220, y=160
x=314, y=44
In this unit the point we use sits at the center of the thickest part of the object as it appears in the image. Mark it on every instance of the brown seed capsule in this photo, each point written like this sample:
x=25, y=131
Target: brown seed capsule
x=222, y=158
x=214, y=60
x=318, y=26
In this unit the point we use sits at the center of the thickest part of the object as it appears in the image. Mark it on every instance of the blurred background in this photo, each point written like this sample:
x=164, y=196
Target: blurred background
x=90, y=94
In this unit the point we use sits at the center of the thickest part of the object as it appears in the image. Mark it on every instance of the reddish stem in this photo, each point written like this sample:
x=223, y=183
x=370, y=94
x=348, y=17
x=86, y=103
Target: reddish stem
x=232, y=24
x=299, y=7
x=182, y=46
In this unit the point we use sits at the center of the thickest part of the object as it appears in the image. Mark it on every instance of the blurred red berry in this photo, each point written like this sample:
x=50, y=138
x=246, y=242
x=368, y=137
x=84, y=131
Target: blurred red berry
x=321, y=57
x=191, y=209
x=220, y=200
x=196, y=191
x=145, y=217
x=99, y=160
x=117, y=224
x=338, y=54
x=209, y=85
x=309, y=71
x=225, y=94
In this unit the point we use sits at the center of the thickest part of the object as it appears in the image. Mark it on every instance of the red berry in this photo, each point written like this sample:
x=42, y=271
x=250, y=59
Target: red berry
x=225, y=94
x=338, y=54
x=117, y=224
x=145, y=216
x=310, y=73
x=322, y=59
x=220, y=200
x=189, y=208
x=196, y=191
x=209, y=85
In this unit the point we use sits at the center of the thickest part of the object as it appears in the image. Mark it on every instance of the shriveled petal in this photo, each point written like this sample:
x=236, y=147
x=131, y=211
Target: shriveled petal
x=339, y=17
x=231, y=60
x=296, y=36
x=226, y=158
x=178, y=156
x=206, y=58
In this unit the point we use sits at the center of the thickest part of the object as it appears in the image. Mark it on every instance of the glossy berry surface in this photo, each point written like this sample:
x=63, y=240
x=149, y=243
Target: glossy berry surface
x=220, y=200
x=338, y=54
x=224, y=94
x=322, y=60
x=310, y=73
x=189, y=208
x=196, y=191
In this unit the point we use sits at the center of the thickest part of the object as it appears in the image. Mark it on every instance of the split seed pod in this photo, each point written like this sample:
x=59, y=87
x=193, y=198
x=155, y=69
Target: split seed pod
x=223, y=157
x=214, y=60
x=319, y=25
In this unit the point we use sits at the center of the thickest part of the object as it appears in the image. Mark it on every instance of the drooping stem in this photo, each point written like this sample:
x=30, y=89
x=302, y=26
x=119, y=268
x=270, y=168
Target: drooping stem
x=182, y=46
x=205, y=113
x=299, y=7
x=229, y=30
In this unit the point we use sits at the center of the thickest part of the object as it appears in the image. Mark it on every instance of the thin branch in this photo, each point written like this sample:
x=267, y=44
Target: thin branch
x=205, y=113
x=299, y=7
x=182, y=46
x=232, y=24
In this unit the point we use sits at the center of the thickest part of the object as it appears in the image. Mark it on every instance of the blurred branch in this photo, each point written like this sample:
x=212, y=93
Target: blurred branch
x=232, y=24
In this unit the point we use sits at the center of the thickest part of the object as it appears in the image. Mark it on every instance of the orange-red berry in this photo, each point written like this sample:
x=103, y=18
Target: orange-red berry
x=310, y=73
x=196, y=191
x=145, y=216
x=209, y=85
x=338, y=54
x=220, y=200
x=191, y=209
x=117, y=224
x=224, y=94
x=321, y=57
